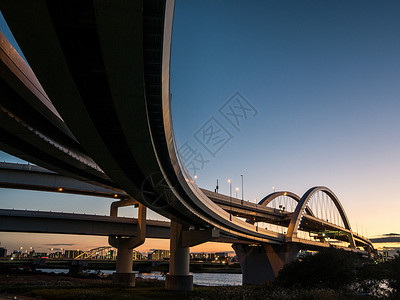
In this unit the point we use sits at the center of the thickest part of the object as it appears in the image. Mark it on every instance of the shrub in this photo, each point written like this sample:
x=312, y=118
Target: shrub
x=330, y=268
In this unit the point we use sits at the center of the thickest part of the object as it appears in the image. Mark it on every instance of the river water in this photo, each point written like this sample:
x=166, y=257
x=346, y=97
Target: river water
x=206, y=279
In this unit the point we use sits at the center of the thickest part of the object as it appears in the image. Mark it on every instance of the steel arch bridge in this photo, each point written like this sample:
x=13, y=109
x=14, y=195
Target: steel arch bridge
x=102, y=253
x=320, y=212
x=316, y=216
x=99, y=253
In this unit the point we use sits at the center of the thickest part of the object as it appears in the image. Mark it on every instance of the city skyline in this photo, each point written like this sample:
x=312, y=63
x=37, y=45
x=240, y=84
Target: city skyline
x=323, y=81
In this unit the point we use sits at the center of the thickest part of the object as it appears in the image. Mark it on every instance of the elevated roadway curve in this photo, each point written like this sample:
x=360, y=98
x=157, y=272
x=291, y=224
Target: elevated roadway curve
x=102, y=114
x=32, y=129
x=105, y=67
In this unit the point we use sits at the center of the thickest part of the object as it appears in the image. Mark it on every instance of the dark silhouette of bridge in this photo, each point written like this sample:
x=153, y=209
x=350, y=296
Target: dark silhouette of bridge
x=93, y=106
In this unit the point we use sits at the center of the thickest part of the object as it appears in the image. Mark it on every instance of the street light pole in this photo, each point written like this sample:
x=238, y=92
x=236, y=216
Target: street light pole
x=255, y=220
x=242, y=189
x=230, y=198
x=237, y=189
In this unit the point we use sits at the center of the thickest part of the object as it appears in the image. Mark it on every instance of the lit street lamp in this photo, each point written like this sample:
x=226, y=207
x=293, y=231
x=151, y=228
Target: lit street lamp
x=237, y=189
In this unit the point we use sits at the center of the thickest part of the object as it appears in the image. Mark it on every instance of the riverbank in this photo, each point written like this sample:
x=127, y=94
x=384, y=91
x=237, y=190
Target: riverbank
x=144, y=266
x=45, y=286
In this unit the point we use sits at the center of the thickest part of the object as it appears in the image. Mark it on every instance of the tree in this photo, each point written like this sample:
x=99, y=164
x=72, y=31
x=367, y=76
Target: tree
x=394, y=267
x=331, y=268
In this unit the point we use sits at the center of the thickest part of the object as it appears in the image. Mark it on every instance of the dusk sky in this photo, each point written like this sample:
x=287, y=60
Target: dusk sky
x=323, y=82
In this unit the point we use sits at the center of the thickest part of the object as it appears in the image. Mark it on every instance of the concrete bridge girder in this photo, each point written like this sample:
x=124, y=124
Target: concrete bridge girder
x=33, y=177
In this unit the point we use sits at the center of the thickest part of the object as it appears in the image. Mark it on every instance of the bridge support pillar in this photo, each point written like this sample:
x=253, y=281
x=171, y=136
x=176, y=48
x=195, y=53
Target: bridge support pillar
x=262, y=263
x=178, y=278
x=125, y=245
x=124, y=275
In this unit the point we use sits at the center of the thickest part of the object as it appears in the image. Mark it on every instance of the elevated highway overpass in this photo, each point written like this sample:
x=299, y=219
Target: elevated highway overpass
x=12, y=220
x=31, y=177
x=96, y=107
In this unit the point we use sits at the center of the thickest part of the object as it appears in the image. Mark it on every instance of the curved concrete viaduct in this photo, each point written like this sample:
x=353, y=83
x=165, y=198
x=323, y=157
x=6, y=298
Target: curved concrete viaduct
x=105, y=65
x=32, y=129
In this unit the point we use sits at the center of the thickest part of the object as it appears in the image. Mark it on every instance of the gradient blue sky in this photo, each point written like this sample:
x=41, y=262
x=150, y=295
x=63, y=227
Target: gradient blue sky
x=324, y=78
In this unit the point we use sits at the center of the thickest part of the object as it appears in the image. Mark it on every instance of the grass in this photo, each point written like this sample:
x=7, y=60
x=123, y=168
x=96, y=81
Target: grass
x=60, y=287
x=109, y=292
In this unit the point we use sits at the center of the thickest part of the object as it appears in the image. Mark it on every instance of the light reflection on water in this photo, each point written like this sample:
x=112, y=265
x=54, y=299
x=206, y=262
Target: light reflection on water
x=206, y=279
x=375, y=288
x=216, y=279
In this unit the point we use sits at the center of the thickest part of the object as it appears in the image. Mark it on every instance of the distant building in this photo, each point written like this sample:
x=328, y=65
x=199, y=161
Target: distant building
x=56, y=255
x=39, y=254
x=159, y=255
x=202, y=256
x=3, y=252
x=384, y=255
x=235, y=259
x=137, y=255
x=111, y=255
x=16, y=254
x=222, y=255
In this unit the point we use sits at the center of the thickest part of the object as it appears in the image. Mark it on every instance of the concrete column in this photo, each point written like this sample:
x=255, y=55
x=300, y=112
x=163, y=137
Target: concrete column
x=262, y=263
x=124, y=258
x=124, y=275
x=125, y=245
x=178, y=278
